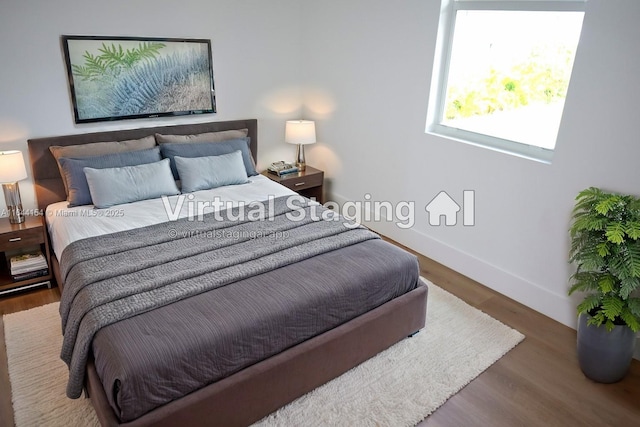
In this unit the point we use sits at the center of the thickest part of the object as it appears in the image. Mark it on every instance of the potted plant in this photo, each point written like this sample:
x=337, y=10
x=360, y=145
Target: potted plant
x=605, y=245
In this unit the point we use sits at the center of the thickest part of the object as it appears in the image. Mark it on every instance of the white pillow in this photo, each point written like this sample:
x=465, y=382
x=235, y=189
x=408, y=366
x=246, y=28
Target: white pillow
x=203, y=173
x=114, y=186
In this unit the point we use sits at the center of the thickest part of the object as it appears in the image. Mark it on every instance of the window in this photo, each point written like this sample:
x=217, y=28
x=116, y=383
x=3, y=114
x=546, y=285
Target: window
x=502, y=72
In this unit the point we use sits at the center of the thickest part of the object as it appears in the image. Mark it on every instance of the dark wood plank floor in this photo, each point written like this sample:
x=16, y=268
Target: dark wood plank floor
x=536, y=384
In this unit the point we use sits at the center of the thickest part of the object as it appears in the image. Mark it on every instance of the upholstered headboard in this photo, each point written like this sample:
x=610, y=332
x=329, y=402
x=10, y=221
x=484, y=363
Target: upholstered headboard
x=48, y=182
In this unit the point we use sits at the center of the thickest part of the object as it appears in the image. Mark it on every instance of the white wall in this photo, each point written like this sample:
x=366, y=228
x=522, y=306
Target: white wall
x=367, y=73
x=365, y=66
x=255, y=46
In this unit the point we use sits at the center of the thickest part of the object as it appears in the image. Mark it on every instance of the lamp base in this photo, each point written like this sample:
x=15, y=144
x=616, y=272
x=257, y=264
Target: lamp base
x=16, y=214
x=14, y=204
x=300, y=162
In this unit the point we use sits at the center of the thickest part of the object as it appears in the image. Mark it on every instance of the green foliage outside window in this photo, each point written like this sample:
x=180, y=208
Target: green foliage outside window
x=542, y=78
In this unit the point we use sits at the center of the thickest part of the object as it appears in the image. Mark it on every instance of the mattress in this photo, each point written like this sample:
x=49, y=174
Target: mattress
x=66, y=225
x=161, y=355
x=151, y=359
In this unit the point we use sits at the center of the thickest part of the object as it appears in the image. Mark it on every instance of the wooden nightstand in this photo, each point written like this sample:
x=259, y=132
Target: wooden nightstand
x=308, y=183
x=30, y=234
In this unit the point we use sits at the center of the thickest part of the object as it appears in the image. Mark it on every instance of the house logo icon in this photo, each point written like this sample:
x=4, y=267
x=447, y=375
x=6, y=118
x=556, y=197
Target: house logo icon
x=443, y=205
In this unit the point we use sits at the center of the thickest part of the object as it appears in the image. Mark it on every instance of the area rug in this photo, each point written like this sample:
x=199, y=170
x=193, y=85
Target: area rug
x=399, y=387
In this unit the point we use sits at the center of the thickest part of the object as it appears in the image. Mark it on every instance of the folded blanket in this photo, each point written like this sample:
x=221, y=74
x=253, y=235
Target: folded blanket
x=117, y=276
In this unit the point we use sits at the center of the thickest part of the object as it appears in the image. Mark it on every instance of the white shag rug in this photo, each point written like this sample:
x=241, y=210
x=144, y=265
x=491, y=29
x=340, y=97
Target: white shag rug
x=399, y=387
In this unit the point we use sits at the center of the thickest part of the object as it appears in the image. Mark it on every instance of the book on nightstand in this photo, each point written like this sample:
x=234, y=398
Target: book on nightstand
x=289, y=171
x=28, y=265
x=282, y=168
x=30, y=275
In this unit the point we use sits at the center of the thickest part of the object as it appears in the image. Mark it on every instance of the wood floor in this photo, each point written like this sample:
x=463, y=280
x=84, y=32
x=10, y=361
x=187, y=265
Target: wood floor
x=536, y=384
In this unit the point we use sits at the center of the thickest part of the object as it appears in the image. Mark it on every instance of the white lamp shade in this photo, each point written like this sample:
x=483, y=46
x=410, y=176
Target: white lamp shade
x=300, y=132
x=12, y=167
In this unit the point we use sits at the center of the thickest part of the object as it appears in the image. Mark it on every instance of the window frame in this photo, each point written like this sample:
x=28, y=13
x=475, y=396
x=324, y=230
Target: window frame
x=442, y=58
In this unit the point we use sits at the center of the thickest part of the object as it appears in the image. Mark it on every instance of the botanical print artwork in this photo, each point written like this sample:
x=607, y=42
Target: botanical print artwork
x=115, y=78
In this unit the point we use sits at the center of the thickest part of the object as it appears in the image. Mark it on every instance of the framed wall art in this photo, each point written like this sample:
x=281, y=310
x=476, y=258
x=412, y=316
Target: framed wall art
x=116, y=78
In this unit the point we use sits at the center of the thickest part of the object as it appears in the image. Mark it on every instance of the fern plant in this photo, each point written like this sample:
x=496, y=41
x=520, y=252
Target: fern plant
x=605, y=245
x=113, y=59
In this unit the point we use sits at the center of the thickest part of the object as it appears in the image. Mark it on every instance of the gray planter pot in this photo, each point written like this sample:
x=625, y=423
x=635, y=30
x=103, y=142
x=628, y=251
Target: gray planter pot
x=604, y=356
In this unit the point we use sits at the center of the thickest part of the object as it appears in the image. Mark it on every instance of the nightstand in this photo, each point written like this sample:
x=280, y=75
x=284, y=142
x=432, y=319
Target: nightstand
x=308, y=183
x=29, y=235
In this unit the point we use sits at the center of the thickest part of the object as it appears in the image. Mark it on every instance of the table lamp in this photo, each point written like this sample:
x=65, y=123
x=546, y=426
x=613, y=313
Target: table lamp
x=12, y=170
x=300, y=132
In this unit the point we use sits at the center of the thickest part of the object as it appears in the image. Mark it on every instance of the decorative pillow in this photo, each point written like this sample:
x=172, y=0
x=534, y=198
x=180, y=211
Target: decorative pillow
x=203, y=173
x=224, y=135
x=73, y=173
x=98, y=149
x=115, y=186
x=204, y=149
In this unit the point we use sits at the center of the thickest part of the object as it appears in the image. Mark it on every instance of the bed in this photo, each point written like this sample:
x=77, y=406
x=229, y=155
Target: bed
x=240, y=339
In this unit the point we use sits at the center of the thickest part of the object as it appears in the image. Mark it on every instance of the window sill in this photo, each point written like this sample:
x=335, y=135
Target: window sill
x=529, y=152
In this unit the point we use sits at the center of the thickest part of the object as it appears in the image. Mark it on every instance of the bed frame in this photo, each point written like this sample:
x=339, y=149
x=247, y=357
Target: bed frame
x=254, y=392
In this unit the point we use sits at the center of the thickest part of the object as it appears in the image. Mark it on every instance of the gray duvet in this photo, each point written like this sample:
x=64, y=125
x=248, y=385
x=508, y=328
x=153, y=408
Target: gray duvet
x=170, y=308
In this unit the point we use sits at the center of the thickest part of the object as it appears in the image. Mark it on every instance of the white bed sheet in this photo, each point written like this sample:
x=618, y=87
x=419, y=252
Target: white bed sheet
x=66, y=225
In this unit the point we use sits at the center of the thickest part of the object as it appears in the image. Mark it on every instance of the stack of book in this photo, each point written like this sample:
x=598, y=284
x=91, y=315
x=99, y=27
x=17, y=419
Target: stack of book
x=282, y=168
x=28, y=266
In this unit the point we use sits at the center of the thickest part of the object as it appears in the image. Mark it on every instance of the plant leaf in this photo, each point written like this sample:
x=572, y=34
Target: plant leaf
x=589, y=303
x=607, y=284
x=633, y=229
x=609, y=325
x=597, y=319
x=627, y=286
x=615, y=233
x=633, y=258
x=585, y=281
x=634, y=306
x=604, y=206
x=603, y=249
x=612, y=306
x=632, y=321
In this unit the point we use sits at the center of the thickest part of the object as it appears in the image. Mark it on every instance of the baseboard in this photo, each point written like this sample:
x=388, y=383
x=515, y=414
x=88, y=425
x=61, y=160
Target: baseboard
x=555, y=306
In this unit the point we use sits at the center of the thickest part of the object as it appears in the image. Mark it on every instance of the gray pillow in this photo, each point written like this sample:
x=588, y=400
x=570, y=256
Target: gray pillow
x=73, y=170
x=205, y=149
x=220, y=136
x=203, y=173
x=115, y=186
x=98, y=149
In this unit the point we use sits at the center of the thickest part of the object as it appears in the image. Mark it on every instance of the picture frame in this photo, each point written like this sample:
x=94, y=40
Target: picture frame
x=117, y=78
